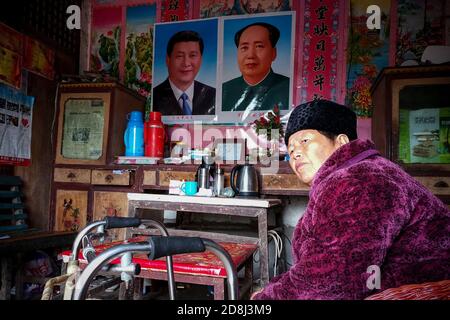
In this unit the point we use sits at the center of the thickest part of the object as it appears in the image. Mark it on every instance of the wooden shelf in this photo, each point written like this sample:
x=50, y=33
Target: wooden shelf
x=410, y=88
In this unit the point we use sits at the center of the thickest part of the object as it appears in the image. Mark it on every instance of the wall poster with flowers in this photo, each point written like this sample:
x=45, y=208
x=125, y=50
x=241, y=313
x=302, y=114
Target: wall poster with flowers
x=213, y=8
x=139, y=48
x=369, y=51
x=420, y=24
x=105, y=40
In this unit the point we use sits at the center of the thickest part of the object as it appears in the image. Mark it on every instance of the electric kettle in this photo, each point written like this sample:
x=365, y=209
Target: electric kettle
x=244, y=181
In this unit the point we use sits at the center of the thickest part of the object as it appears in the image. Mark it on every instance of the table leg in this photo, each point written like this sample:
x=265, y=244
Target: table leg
x=219, y=289
x=263, y=248
x=126, y=293
x=6, y=278
x=19, y=277
x=138, y=287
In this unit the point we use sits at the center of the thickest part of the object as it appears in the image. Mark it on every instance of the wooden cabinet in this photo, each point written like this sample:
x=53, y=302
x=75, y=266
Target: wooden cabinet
x=438, y=185
x=71, y=208
x=72, y=175
x=165, y=176
x=113, y=204
x=92, y=119
x=112, y=177
x=83, y=195
x=96, y=191
x=86, y=186
x=284, y=182
x=150, y=177
x=411, y=122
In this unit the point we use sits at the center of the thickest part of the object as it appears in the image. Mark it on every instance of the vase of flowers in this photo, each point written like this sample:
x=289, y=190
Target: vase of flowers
x=269, y=130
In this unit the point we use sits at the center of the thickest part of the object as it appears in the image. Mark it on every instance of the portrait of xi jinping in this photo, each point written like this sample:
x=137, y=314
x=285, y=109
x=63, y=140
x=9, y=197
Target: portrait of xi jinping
x=178, y=89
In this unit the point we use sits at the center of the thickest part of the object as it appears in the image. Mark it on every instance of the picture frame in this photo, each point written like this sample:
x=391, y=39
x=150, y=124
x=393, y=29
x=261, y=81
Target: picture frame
x=234, y=105
x=206, y=68
x=230, y=151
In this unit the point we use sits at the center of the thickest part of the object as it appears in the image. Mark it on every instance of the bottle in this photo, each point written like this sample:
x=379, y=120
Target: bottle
x=203, y=177
x=154, y=136
x=134, y=135
x=218, y=182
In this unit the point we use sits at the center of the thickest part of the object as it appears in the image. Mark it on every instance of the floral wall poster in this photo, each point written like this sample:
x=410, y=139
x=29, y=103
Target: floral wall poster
x=105, y=40
x=139, y=47
x=15, y=126
x=368, y=53
x=10, y=67
x=211, y=8
x=38, y=58
x=420, y=24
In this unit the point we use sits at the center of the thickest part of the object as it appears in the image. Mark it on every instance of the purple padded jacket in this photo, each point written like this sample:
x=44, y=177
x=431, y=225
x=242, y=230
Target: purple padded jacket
x=364, y=211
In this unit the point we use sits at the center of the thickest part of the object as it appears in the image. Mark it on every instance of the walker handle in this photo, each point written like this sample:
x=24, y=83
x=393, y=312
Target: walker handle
x=121, y=222
x=167, y=246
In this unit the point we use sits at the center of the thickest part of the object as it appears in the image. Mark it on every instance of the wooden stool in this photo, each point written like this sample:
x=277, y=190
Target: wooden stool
x=196, y=268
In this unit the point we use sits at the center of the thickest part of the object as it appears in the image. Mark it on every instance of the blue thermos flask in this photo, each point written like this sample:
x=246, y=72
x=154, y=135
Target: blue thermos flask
x=134, y=135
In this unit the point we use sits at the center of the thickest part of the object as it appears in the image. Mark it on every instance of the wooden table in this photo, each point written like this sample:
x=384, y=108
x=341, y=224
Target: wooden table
x=13, y=248
x=254, y=208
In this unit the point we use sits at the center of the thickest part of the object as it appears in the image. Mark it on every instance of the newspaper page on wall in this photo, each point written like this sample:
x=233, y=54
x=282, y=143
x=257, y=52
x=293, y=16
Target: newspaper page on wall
x=15, y=126
x=83, y=129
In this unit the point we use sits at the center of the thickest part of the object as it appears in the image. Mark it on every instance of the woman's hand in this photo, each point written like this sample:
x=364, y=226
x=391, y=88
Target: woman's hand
x=255, y=293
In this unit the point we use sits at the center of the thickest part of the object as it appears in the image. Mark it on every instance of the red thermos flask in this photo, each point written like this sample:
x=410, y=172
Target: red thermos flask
x=154, y=136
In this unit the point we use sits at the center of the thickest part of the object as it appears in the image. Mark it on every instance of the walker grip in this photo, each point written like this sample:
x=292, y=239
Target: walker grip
x=121, y=222
x=167, y=246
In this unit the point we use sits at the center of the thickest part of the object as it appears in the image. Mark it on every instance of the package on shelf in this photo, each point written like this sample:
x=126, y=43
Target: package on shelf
x=424, y=135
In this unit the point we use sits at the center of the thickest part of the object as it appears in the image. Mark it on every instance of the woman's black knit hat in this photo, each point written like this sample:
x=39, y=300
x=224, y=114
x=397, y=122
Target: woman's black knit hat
x=322, y=115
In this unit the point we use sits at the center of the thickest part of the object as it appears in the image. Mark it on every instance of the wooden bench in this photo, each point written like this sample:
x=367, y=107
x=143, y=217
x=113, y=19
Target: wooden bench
x=196, y=268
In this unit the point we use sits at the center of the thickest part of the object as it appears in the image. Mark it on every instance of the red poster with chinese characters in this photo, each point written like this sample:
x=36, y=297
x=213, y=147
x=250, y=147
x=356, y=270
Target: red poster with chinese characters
x=174, y=10
x=320, y=50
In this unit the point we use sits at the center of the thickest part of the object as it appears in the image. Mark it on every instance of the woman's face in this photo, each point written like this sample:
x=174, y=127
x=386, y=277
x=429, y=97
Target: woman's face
x=308, y=150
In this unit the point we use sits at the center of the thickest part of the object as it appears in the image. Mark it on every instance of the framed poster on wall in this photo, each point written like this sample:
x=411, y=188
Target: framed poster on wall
x=256, y=65
x=16, y=114
x=185, y=65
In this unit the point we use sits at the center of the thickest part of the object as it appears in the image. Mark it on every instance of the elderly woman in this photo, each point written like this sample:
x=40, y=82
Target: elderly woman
x=368, y=224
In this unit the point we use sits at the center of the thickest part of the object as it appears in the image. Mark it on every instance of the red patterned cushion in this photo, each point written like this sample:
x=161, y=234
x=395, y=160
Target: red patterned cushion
x=205, y=263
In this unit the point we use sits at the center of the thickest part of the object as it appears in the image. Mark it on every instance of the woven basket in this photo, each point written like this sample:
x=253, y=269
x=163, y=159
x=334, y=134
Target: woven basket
x=425, y=291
